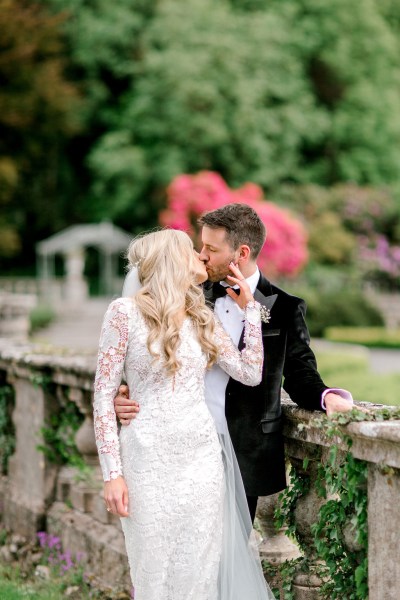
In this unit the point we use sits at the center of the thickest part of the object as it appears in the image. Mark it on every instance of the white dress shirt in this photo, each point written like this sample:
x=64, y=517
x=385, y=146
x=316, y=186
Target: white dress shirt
x=216, y=380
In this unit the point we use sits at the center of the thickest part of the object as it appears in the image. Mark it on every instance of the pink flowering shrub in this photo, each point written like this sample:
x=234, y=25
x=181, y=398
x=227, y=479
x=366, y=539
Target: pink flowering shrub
x=188, y=196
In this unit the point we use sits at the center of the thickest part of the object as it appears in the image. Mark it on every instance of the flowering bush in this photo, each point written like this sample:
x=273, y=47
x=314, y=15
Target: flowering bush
x=380, y=260
x=188, y=196
x=365, y=210
x=371, y=214
x=352, y=225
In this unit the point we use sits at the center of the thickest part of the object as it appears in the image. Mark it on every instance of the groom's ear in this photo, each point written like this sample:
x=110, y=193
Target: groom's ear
x=244, y=253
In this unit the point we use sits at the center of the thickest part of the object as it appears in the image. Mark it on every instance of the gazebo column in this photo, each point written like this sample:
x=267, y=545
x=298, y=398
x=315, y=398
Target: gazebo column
x=107, y=273
x=76, y=290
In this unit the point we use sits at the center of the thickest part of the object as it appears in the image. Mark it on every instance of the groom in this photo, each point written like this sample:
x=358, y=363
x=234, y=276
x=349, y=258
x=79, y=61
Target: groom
x=254, y=416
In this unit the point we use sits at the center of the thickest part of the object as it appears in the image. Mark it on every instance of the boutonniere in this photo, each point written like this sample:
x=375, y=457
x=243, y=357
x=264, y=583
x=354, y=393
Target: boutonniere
x=265, y=314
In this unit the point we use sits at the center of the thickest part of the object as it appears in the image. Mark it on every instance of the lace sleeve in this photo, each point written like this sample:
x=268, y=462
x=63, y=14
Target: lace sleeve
x=110, y=363
x=246, y=365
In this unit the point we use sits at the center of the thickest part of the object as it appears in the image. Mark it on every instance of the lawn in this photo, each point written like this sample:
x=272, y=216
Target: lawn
x=351, y=371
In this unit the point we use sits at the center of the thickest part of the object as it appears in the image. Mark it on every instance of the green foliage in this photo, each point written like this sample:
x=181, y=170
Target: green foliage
x=17, y=583
x=347, y=308
x=374, y=337
x=349, y=56
x=345, y=571
x=211, y=90
x=59, y=437
x=299, y=484
x=280, y=577
x=268, y=93
x=287, y=91
x=7, y=433
x=40, y=316
x=37, y=117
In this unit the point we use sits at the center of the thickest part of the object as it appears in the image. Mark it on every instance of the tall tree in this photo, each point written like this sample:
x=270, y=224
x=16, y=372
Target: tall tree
x=36, y=114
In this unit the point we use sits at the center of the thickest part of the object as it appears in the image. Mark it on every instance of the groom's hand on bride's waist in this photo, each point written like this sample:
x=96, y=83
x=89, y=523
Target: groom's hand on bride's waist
x=125, y=408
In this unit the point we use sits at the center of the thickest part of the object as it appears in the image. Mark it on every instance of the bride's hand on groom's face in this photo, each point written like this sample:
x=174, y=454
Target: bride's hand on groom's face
x=125, y=408
x=245, y=296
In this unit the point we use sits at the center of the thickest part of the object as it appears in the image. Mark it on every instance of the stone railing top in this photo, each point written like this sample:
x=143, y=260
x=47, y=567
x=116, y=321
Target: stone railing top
x=374, y=441
x=59, y=363
x=16, y=302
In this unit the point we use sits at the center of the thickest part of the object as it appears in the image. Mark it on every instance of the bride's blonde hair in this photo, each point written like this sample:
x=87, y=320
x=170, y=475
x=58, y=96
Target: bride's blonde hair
x=166, y=270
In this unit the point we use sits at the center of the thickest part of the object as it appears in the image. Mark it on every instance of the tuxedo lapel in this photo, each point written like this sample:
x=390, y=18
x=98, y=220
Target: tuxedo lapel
x=267, y=301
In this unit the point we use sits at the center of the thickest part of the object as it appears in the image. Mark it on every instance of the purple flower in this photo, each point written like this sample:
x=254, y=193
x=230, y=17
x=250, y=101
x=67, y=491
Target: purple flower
x=42, y=537
x=54, y=542
x=79, y=556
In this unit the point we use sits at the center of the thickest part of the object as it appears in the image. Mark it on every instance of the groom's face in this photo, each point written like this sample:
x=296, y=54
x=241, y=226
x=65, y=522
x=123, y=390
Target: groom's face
x=217, y=253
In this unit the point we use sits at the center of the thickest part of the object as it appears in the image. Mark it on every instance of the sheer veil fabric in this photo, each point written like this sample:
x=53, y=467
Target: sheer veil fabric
x=240, y=573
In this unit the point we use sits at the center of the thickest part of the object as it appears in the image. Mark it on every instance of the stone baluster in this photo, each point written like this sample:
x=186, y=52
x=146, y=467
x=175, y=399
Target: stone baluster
x=307, y=585
x=276, y=547
x=383, y=531
x=31, y=477
x=82, y=489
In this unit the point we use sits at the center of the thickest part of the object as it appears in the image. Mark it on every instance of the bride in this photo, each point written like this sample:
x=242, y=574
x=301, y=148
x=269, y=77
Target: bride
x=170, y=476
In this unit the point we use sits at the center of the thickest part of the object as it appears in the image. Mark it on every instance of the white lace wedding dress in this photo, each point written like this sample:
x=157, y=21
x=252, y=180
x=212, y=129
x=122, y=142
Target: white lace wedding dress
x=170, y=455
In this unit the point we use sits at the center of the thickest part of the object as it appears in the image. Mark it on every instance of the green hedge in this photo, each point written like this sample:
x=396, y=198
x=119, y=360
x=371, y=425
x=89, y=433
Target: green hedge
x=339, y=308
x=378, y=337
x=41, y=316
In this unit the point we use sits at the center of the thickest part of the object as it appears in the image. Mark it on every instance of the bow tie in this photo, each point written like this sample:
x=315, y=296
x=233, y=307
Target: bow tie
x=219, y=291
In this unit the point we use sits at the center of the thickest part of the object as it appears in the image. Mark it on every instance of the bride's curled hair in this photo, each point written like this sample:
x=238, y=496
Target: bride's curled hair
x=166, y=270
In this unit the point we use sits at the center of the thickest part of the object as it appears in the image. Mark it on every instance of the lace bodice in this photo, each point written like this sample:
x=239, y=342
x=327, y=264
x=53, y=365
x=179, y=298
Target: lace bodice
x=123, y=347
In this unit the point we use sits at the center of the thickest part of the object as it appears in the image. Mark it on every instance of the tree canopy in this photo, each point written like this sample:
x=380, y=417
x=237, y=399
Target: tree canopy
x=284, y=92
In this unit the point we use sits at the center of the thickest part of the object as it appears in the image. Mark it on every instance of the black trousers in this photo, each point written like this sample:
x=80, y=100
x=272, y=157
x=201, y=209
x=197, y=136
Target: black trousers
x=252, y=503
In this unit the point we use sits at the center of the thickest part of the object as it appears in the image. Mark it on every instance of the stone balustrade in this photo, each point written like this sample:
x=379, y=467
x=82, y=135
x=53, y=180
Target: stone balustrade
x=14, y=315
x=38, y=494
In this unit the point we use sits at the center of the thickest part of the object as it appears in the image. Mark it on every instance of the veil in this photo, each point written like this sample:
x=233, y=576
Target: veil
x=131, y=284
x=240, y=573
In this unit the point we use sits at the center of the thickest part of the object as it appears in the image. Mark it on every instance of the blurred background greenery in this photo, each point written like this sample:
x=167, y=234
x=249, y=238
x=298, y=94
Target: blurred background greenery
x=104, y=105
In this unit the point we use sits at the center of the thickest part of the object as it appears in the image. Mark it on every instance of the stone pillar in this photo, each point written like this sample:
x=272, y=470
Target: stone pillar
x=76, y=290
x=306, y=585
x=383, y=532
x=276, y=547
x=14, y=315
x=82, y=490
x=84, y=438
x=31, y=480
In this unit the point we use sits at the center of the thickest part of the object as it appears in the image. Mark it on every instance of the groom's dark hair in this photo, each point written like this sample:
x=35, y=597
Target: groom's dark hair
x=241, y=223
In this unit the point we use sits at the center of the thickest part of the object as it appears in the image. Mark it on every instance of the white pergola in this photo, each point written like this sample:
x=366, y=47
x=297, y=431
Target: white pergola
x=71, y=243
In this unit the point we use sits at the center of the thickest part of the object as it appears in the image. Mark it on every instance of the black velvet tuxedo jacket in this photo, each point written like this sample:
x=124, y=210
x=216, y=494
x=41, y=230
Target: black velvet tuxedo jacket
x=254, y=414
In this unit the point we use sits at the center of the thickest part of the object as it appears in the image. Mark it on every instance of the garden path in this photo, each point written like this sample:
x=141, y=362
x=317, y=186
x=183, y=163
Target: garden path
x=79, y=330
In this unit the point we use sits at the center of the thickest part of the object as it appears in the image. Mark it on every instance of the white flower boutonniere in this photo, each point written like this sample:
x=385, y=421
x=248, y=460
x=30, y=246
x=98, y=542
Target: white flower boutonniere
x=265, y=314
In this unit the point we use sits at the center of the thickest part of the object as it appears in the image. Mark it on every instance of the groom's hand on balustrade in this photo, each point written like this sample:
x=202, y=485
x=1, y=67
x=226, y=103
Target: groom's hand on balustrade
x=335, y=403
x=125, y=408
